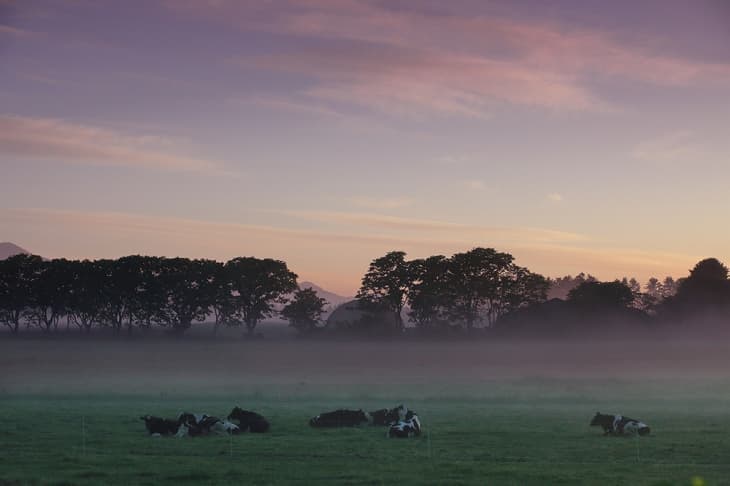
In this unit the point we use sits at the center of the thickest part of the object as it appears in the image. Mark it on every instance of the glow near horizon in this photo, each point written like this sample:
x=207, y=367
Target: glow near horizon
x=577, y=136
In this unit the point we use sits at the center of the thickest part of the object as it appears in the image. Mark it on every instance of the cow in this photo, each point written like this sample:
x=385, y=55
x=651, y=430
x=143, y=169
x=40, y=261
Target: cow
x=225, y=427
x=191, y=426
x=340, y=418
x=619, y=425
x=191, y=418
x=251, y=421
x=386, y=416
x=404, y=429
x=157, y=426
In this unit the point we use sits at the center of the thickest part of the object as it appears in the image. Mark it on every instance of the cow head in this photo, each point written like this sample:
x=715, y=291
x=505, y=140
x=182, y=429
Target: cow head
x=235, y=413
x=183, y=430
x=416, y=423
x=186, y=418
x=601, y=419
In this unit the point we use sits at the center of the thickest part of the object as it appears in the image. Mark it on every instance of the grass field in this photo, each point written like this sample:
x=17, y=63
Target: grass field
x=529, y=429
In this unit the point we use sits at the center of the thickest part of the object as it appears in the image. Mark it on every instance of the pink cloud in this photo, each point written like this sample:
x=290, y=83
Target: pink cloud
x=13, y=31
x=412, y=61
x=405, y=82
x=51, y=139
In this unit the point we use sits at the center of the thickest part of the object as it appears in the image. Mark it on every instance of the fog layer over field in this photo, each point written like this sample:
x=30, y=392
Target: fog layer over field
x=169, y=366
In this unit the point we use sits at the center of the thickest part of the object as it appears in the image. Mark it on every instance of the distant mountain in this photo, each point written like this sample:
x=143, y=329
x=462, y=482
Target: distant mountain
x=333, y=300
x=8, y=249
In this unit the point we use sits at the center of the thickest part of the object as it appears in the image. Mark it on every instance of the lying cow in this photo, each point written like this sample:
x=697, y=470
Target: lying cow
x=405, y=428
x=250, y=421
x=195, y=425
x=619, y=425
x=386, y=416
x=157, y=426
x=340, y=418
x=212, y=425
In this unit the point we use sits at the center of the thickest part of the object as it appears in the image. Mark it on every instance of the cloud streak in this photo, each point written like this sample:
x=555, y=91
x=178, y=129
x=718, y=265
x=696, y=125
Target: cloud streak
x=438, y=230
x=679, y=146
x=415, y=62
x=51, y=139
x=381, y=202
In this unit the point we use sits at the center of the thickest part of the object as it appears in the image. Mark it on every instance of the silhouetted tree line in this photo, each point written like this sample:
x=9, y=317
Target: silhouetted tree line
x=467, y=290
x=141, y=292
x=481, y=288
x=592, y=306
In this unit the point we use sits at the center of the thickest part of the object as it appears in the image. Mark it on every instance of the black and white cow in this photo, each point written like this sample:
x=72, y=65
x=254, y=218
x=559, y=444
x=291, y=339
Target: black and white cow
x=386, y=416
x=157, y=426
x=195, y=425
x=250, y=421
x=405, y=428
x=340, y=418
x=619, y=425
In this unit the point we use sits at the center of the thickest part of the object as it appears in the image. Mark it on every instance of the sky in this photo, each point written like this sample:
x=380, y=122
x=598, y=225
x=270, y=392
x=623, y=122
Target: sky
x=577, y=135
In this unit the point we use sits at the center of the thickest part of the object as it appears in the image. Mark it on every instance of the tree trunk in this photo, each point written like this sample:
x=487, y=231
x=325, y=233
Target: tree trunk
x=399, y=318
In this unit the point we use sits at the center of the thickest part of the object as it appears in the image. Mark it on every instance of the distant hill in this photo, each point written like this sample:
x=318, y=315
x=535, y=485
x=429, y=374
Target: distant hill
x=8, y=249
x=333, y=300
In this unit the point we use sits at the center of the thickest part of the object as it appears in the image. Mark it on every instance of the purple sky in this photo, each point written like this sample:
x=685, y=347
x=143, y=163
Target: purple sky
x=577, y=135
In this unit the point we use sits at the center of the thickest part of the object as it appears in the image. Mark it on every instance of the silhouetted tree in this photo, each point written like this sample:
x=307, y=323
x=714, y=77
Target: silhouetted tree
x=258, y=285
x=654, y=288
x=518, y=288
x=705, y=291
x=16, y=275
x=561, y=286
x=305, y=310
x=428, y=295
x=87, y=294
x=50, y=285
x=669, y=287
x=601, y=295
x=186, y=292
x=386, y=283
x=478, y=285
x=223, y=302
x=132, y=294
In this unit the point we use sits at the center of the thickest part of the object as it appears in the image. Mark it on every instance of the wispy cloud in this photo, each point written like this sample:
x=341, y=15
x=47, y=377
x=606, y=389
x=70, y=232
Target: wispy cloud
x=475, y=184
x=289, y=105
x=434, y=229
x=409, y=61
x=381, y=202
x=604, y=262
x=679, y=146
x=555, y=197
x=14, y=31
x=52, y=139
x=414, y=82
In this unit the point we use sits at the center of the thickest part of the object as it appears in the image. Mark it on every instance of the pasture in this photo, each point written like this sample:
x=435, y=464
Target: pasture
x=68, y=419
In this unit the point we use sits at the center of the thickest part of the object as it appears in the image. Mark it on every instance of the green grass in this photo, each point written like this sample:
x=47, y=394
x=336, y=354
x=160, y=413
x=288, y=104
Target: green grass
x=520, y=432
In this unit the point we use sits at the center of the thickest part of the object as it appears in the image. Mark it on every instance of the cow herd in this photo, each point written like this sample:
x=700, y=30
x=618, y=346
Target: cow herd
x=401, y=423
x=200, y=424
